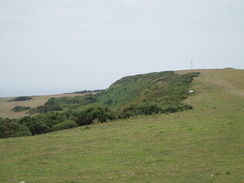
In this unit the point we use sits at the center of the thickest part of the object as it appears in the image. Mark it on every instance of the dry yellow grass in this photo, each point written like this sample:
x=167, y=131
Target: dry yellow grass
x=6, y=106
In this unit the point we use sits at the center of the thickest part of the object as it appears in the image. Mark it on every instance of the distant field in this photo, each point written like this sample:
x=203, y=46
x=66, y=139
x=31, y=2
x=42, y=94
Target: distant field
x=203, y=145
x=6, y=107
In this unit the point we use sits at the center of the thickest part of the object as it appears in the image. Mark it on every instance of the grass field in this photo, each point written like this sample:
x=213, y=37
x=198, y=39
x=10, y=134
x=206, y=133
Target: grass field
x=205, y=144
x=6, y=106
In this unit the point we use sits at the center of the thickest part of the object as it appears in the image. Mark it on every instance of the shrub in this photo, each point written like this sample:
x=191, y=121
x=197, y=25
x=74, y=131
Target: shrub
x=20, y=99
x=149, y=109
x=64, y=103
x=128, y=112
x=64, y=125
x=176, y=108
x=9, y=128
x=35, y=126
x=89, y=113
x=140, y=109
x=20, y=108
x=46, y=108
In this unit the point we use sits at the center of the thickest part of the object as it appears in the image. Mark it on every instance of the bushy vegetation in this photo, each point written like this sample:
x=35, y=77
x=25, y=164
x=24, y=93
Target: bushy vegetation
x=64, y=103
x=163, y=88
x=86, y=91
x=127, y=89
x=35, y=125
x=43, y=123
x=23, y=98
x=145, y=94
x=11, y=128
x=21, y=108
x=88, y=114
x=53, y=121
x=151, y=108
x=64, y=125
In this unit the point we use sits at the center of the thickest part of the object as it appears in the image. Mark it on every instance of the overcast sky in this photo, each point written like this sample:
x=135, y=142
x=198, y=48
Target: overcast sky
x=57, y=46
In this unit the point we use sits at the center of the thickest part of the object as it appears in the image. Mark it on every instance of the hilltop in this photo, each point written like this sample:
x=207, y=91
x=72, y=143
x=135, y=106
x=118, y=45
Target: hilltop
x=204, y=144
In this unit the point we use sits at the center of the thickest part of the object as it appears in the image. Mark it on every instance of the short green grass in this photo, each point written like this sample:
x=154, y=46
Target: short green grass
x=201, y=145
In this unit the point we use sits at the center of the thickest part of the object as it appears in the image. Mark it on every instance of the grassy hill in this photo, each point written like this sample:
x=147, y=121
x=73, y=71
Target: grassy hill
x=162, y=88
x=204, y=144
x=152, y=93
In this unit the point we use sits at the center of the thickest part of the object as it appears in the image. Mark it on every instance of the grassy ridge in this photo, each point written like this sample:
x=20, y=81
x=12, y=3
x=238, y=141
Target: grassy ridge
x=201, y=145
x=128, y=88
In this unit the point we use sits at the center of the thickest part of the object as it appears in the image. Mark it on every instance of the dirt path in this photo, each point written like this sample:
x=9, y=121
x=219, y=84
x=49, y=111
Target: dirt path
x=229, y=87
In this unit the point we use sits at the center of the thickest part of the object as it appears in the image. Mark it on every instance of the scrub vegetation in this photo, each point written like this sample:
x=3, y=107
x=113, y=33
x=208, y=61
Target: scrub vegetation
x=24, y=98
x=202, y=145
x=21, y=108
x=145, y=94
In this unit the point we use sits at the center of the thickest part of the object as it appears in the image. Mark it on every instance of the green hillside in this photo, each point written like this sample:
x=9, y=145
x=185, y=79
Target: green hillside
x=204, y=144
x=144, y=94
x=129, y=88
x=163, y=88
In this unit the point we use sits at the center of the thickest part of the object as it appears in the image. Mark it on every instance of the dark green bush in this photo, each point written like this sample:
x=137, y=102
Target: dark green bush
x=46, y=108
x=20, y=108
x=20, y=99
x=64, y=125
x=86, y=115
x=176, y=108
x=140, y=109
x=129, y=111
x=10, y=128
x=149, y=109
x=53, y=118
x=35, y=126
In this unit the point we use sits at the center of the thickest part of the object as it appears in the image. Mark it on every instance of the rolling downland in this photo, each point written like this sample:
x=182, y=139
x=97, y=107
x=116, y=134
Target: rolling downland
x=205, y=144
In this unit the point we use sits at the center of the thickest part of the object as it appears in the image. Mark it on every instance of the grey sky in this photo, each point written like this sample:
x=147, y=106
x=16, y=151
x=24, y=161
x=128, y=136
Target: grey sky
x=56, y=46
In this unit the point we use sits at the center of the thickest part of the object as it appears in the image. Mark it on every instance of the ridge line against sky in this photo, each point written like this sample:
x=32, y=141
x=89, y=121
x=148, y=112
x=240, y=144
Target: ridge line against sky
x=58, y=46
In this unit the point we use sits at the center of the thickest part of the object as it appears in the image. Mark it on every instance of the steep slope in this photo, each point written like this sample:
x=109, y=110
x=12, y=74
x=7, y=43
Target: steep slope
x=200, y=145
